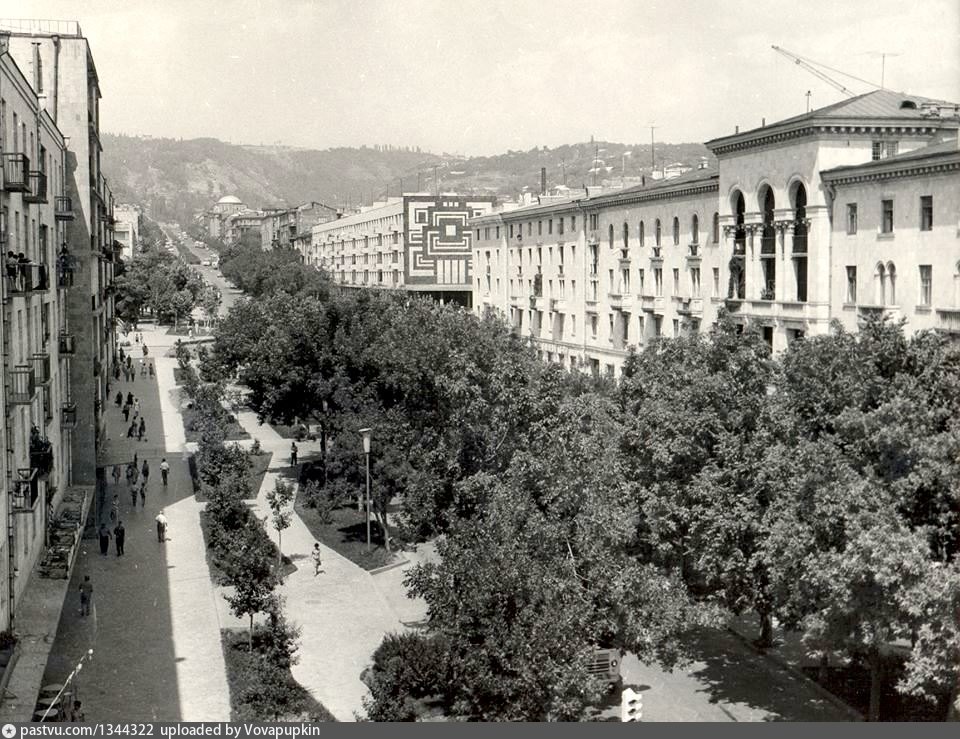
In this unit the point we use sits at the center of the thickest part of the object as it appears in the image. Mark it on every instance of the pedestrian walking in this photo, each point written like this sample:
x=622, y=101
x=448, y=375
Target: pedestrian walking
x=317, y=561
x=126, y=413
x=117, y=474
x=143, y=492
x=164, y=470
x=132, y=431
x=133, y=495
x=86, y=595
x=136, y=406
x=161, y=527
x=143, y=369
x=129, y=398
x=293, y=454
x=115, y=510
x=145, y=471
x=136, y=338
x=118, y=401
x=141, y=430
x=123, y=355
x=119, y=534
x=150, y=367
x=145, y=350
x=104, y=535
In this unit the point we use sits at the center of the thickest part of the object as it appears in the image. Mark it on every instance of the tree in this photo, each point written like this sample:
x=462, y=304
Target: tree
x=279, y=500
x=250, y=573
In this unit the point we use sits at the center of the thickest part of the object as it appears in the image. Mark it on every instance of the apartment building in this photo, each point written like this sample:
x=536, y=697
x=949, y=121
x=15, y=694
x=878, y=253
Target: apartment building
x=37, y=407
x=843, y=211
x=589, y=277
x=416, y=242
x=213, y=218
x=126, y=229
x=282, y=226
x=56, y=58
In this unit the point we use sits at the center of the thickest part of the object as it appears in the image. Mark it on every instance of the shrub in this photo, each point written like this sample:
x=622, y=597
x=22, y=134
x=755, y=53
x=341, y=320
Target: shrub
x=408, y=669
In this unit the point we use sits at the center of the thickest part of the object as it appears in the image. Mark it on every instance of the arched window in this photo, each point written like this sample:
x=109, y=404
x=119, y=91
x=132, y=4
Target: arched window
x=676, y=231
x=880, y=285
x=641, y=233
x=695, y=229
x=892, y=279
x=716, y=228
x=656, y=235
x=610, y=232
x=626, y=235
x=768, y=246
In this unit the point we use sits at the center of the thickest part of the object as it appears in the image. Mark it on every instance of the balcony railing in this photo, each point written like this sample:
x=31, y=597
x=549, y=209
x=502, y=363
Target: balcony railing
x=37, y=190
x=15, y=172
x=63, y=208
x=26, y=490
x=41, y=368
x=23, y=385
x=23, y=278
x=68, y=415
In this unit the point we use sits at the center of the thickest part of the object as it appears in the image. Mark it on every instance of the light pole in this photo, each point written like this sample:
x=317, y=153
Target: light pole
x=72, y=677
x=323, y=439
x=366, y=451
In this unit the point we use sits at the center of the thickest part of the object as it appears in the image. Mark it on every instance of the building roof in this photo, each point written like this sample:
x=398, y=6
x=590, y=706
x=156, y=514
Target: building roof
x=895, y=108
x=230, y=200
x=935, y=154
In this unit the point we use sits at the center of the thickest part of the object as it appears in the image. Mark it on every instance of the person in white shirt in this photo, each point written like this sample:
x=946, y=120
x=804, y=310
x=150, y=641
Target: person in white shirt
x=164, y=470
x=161, y=527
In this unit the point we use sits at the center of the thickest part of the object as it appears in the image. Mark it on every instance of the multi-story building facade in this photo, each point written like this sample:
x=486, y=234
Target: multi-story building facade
x=760, y=237
x=235, y=225
x=126, y=230
x=37, y=406
x=213, y=218
x=56, y=58
x=282, y=227
x=417, y=242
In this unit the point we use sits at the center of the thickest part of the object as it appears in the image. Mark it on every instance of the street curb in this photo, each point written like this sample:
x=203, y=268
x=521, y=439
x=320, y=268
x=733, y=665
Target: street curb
x=850, y=711
x=388, y=567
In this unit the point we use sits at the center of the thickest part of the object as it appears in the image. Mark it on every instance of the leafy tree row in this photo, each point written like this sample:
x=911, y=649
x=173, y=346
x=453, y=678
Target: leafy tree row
x=158, y=282
x=818, y=488
x=258, y=272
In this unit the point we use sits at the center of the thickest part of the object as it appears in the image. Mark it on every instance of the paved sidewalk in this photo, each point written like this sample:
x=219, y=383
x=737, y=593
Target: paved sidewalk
x=154, y=627
x=342, y=613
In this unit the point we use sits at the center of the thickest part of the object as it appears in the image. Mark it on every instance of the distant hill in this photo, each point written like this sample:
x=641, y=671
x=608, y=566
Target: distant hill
x=175, y=178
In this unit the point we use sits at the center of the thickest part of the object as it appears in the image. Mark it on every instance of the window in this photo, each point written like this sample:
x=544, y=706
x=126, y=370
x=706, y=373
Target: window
x=851, y=218
x=539, y=228
x=695, y=229
x=886, y=216
x=550, y=226
x=498, y=232
x=593, y=326
x=529, y=228
x=926, y=285
x=641, y=234
x=676, y=281
x=884, y=149
x=626, y=235
x=560, y=223
x=876, y=151
x=610, y=235
x=892, y=278
x=926, y=213
x=676, y=328
x=676, y=231
x=695, y=282
x=658, y=281
x=657, y=234
x=851, y=284
x=640, y=280
x=594, y=221
x=716, y=228
x=716, y=282
x=511, y=230
x=573, y=223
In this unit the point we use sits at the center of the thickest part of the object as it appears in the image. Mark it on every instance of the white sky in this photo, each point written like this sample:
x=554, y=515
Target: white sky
x=484, y=76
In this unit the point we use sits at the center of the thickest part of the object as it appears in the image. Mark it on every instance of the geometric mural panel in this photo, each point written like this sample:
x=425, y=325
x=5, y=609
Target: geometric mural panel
x=438, y=242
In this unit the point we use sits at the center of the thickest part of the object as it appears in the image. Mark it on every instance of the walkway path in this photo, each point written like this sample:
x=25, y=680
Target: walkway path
x=342, y=613
x=154, y=627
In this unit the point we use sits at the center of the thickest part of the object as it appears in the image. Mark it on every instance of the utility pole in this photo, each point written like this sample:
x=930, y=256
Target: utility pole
x=653, y=159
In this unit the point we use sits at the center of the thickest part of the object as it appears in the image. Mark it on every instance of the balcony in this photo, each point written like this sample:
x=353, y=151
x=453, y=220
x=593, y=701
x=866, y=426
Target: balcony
x=41, y=368
x=25, y=278
x=558, y=304
x=593, y=237
x=655, y=257
x=690, y=306
x=41, y=454
x=949, y=320
x=63, y=208
x=16, y=168
x=26, y=490
x=37, y=192
x=693, y=252
x=68, y=416
x=23, y=385
x=647, y=303
x=659, y=304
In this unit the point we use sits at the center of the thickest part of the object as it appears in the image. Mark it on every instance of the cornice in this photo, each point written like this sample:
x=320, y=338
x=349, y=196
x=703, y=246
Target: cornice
x=892, y=171
x=761, y=137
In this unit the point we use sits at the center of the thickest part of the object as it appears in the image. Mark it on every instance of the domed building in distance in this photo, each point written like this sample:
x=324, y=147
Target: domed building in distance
x=225, y=206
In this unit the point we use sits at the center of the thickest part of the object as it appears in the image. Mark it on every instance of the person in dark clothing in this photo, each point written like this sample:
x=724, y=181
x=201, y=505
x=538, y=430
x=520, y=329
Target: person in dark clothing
x=119, y=399
x=123, y=355
x=86, y=595
x=145, y=352
x=133, y=495
x=293, y=454
x=119, y=534
x=129, y=398
x=104, y=535
x=132, y=431
x=145, y=471
x=141, y=431
x=126, y=413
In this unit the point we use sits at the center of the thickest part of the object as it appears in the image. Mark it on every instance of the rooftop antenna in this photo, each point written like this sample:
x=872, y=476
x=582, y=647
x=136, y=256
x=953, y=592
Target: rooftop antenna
x=883, y=62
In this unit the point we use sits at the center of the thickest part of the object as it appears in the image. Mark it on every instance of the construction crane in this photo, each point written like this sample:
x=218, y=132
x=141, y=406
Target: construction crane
x=807, y=64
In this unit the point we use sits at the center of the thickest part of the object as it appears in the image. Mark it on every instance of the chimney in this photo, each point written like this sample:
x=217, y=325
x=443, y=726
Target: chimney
x=763, y=122
x=543, y=180
x=736, y=129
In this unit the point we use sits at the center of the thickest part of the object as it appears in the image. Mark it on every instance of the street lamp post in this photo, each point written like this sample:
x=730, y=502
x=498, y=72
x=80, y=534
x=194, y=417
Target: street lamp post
x=366, y=451
x=323, y=440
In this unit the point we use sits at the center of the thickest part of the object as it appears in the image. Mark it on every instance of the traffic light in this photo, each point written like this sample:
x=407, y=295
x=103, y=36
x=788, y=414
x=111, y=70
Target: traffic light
x=631, y=705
